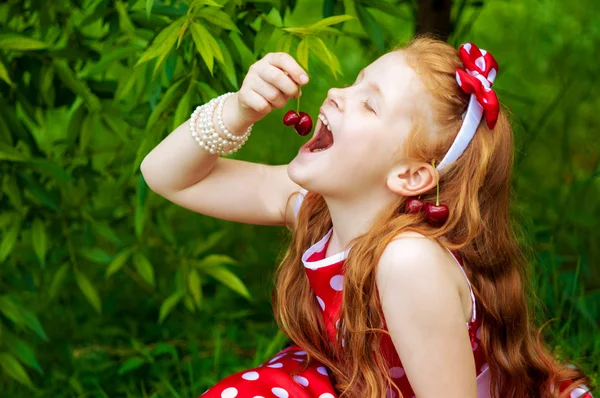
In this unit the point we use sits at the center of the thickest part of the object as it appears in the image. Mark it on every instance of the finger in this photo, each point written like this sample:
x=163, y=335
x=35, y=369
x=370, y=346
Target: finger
x=288, y=64
x=257, y=102
x=280, y=80
x=269, y=92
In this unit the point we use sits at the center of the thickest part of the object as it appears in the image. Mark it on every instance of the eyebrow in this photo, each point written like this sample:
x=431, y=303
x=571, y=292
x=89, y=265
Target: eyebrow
x=374, y=86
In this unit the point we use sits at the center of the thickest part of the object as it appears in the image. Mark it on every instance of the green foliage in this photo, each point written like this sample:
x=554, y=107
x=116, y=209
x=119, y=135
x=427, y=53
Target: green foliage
x=107, y=289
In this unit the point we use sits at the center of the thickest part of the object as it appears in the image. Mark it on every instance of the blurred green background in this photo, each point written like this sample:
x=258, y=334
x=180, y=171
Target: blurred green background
x=107, y=289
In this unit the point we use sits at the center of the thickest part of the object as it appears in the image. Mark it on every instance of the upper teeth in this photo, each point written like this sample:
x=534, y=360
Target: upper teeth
x=325, y=121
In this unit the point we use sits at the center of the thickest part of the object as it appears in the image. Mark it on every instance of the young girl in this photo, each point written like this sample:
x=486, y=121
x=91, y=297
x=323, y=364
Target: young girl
x=383, y=293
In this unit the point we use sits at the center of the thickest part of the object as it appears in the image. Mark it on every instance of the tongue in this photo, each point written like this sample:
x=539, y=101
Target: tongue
x=324, y=139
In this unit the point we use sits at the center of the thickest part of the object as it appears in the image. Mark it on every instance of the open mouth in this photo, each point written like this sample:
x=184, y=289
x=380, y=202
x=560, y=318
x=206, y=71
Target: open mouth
x=322, y=138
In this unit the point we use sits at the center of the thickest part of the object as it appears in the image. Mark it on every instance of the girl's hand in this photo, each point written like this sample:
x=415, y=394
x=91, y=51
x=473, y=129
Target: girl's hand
x=270, y=83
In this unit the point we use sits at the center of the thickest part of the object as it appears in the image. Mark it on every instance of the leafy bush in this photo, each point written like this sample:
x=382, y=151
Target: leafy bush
x=109, y=289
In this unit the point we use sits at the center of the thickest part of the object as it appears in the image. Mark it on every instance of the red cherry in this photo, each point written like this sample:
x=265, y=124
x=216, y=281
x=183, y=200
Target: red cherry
x=291, y=118
x=436, y=215
x=414, y=206
x=304, y=125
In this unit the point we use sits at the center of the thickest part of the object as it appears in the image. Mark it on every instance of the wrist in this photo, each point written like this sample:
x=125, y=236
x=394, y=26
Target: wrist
x=233, y=116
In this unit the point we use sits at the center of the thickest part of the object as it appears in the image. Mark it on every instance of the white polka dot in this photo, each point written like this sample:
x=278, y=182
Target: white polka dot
x=300, y=353
x=483, y=52
x=337, y=282
x=578, y=392
x=480, y=62
x=337, y=324
x=475, y=345
x=467, y=47
x=230, y=392
x=275, y=365
x=396, y=372
x=250, y=376
x=277, y=357
x=322, y=370
x=280, y=392
x=458, y=80
x=260, y=396
x=485, y=100
x=478, y=333
x=484, y=367
x=389, y=393
x=492, y=75
x=342, y=342
x=321, y=303
x=301, y=380
x=326, y=395
x=298, y=359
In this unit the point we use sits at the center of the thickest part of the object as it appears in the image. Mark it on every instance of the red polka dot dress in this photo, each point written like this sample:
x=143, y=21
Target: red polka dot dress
x=282, y=377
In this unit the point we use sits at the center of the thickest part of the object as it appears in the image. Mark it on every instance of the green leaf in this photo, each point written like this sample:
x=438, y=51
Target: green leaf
x=321, y=51
x=195, y=286
x=140, y=206
x=163, y=42
x=50, y=169
x=168, y=305
x=149, y=4
x=95, y=254
x=144, y=268
x=164, y=104
x=57, y=281
x=70, y=80
x=302, y=54
x=370, y=26
x=13, y=369
x=331, y=21
x=9, y=239
x=182, y=112
x=227, y=64
x=229, y=279
x=218, y=18
x=208, y=243
x=284, y=43
x=39, y=240
x=39, y=192
x=9, y=41
x=4, y=75
x=32, y=322
x=162, y=348
x=131, y=364
x=89, y=291
x=21, y=350
x=9, y=153
x=217, y=259
x=196, y=3
x=102, y=228
x=207, y=45
x=118, y=262
x=11, y=310
x=108, y=58
x=262, y=38
x=124, y=21
x=11, y=188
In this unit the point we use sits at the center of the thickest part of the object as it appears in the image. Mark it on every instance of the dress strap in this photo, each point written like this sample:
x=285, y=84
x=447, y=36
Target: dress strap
x=299, y=201
x=474, y=311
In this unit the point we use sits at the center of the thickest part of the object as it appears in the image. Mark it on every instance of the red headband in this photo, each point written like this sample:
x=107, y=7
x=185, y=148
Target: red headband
x=477, y=78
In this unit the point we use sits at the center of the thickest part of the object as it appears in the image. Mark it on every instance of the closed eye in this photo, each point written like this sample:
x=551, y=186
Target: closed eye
x=367, y=106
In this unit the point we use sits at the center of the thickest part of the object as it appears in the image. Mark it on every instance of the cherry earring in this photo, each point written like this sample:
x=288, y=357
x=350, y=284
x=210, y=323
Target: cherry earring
x=437, y=214
x=301, y=121
x=414, y=205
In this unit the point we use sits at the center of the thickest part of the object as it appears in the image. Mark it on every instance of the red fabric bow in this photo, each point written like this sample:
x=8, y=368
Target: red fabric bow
x=477, y=78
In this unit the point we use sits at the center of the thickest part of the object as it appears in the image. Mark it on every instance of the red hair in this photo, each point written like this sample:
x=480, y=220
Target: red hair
x=476, y=188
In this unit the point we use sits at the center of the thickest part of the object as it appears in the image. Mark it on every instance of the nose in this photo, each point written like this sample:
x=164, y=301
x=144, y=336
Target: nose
x=336, y=97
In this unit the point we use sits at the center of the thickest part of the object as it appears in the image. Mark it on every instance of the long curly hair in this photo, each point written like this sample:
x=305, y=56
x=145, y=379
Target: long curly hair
x=477, y=190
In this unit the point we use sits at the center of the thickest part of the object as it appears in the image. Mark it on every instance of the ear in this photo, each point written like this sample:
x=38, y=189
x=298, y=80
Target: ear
x=412, y=179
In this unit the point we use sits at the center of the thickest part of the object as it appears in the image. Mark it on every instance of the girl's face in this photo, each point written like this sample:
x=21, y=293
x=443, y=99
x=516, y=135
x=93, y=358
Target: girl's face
x=369, y=122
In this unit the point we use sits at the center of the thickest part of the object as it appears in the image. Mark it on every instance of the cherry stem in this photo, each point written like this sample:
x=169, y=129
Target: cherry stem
x=298, y=103
x=437, y=184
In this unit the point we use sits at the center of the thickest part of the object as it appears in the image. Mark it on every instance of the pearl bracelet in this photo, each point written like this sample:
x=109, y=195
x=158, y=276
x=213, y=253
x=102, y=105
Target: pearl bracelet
x=203, y=129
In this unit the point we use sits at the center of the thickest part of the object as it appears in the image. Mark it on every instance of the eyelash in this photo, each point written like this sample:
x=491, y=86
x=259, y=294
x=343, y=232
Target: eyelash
x=365, y=102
